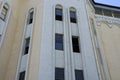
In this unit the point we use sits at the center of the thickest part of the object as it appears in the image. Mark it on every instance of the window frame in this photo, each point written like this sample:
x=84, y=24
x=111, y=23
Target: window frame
x=73, y=19
x=30, y=16
x=22, y=75
x=74, y=44
x=72, y=15
x=59, y=42
x=26, y=46
x=79, y=76
x=58, y=16
x=58, y=75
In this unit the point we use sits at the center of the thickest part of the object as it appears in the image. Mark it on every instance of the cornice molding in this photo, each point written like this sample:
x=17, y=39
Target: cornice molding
x=108, y=20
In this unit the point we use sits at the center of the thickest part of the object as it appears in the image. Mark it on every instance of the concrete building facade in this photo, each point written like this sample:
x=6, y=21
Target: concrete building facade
x=59, y=40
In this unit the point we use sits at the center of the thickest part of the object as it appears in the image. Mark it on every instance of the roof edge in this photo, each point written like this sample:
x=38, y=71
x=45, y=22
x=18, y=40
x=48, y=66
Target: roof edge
x=104, y=6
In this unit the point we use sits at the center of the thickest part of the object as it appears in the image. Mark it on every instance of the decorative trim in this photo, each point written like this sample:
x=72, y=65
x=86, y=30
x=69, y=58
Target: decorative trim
x=108, y=20
x=6, y=21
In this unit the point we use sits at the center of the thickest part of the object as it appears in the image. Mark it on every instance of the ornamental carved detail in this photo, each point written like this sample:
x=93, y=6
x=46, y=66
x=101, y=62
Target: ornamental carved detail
x=108, y=20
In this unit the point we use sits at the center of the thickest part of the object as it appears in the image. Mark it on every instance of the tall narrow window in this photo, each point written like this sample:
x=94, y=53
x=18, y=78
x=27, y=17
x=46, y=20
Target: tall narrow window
x=22, y=75
x=73, y=15
x=58, y=13
x=79, y=75
x=4, y=12
x=59, y=74
x=30, y=16
x=58, y=42
x=27, y=42
x=75, y=44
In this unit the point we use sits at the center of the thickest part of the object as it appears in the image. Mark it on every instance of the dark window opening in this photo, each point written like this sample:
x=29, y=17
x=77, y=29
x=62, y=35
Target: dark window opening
x=73, y=17
x=59, y=74
x=75, y=44
x=30, y=20
x=58, y=14
x=22, y=75
x=27, y=42
x=79, y=75
x=58, y=42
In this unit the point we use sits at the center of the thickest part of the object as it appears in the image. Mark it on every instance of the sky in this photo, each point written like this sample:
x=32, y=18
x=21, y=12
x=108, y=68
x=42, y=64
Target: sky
x=109, y=2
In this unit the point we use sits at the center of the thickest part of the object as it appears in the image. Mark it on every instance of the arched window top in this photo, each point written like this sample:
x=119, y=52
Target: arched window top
x=58, y=6
x=73, y=16
x=58, y=13
x=31, y=10
x=72, y=9
x=30, y=16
